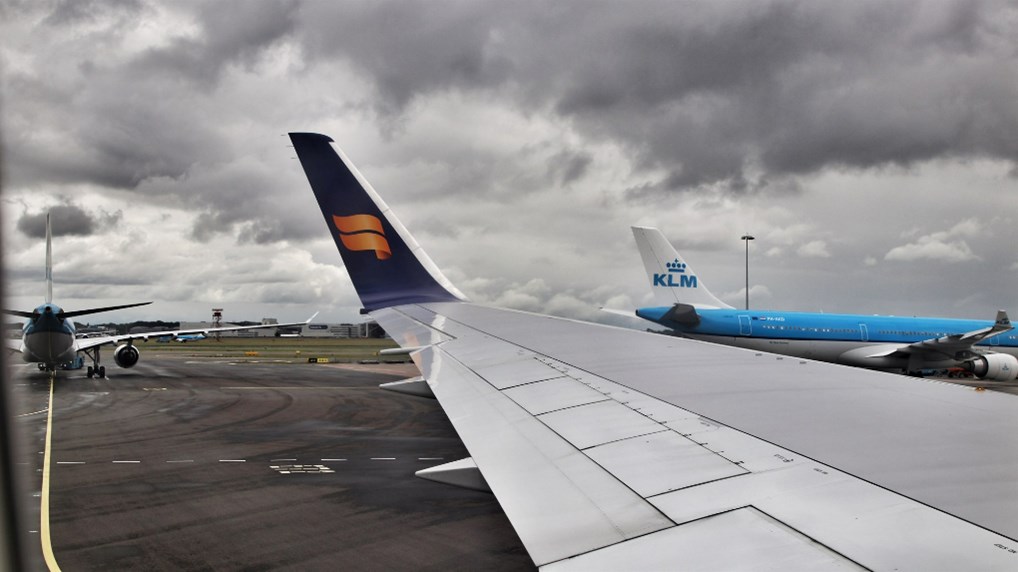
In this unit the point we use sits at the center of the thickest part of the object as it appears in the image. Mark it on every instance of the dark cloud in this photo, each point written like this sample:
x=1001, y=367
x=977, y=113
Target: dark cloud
x=232, y=32
x=71, y=12
x=68, y=219
x=569, y=166
x=711, y=92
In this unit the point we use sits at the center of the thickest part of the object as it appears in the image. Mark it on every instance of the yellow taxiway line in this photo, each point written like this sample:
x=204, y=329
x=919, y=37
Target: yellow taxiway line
x=47, y=546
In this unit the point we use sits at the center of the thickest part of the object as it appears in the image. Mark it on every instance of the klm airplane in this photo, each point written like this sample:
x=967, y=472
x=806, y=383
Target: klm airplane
x=988, y=349
x=49, y=338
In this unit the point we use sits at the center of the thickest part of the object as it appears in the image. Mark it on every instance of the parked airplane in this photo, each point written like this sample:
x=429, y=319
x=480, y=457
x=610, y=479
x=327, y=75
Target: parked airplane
x=616, y=449
x=685, y=305
x=48, y=337
x=182, y=338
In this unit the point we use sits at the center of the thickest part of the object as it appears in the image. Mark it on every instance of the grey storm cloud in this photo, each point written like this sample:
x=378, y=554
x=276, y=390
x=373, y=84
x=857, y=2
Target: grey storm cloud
x=711, y=92
x=231, y=32
x=67, y=220
x=734, y=96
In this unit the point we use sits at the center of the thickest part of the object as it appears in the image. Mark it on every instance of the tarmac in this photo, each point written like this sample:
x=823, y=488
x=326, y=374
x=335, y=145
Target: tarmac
x=183, y=464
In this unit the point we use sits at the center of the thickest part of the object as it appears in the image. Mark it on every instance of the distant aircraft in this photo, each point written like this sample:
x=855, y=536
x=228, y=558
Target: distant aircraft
x=909, y=344
x=613, y=449
x=48, y=337
x=182, y=338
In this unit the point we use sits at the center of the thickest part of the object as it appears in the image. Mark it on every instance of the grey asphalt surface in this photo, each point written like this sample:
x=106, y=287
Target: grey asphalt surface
x=184, y=465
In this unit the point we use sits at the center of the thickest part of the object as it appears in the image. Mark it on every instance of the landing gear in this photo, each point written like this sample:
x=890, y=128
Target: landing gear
x=95, y=370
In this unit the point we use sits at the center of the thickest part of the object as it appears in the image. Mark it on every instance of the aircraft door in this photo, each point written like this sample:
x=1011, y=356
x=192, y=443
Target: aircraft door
x=745, y=326
x=864, y=333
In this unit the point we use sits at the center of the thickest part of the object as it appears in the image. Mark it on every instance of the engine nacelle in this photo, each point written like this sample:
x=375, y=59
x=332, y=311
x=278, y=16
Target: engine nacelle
x=995, y=367
x=126, y=355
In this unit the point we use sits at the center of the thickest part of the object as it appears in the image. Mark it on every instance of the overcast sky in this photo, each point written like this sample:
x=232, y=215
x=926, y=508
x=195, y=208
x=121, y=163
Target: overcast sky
x=871, y=148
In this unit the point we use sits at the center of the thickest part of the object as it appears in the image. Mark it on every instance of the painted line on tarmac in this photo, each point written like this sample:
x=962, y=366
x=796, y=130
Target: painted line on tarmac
x=43, y=410
x=44, y=536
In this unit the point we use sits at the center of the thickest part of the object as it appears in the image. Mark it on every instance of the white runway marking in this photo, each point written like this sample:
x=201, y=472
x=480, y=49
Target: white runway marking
x=181, y=461
x=44, y=410
x=70, y=462
x=122, y=462
x=232, y=460
x=430, y=458
x=327, y=460
x=383, y=458
x=274, y=460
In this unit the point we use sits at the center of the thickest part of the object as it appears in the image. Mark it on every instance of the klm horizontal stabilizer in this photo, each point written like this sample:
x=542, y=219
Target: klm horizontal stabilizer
x=683, y=314
x=463, y=473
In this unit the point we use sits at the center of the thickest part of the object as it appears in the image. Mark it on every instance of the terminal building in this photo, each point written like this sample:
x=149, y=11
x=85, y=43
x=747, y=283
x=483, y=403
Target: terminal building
x=319, y=330
x=362, y=330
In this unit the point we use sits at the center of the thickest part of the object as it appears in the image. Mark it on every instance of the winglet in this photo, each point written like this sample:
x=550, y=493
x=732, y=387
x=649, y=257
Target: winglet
x=387, y=266
x=1002, y=320
x=671, y=279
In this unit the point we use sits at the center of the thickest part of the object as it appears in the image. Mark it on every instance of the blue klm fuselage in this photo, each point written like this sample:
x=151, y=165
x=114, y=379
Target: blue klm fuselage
x=48, y=337
x=821, y=336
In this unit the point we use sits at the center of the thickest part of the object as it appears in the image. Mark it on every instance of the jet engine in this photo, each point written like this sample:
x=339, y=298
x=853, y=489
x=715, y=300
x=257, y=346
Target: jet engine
x=995, y=367
x=126, y=355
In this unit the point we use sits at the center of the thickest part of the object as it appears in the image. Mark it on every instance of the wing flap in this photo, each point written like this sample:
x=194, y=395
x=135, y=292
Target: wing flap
x=560, y=502
x=740, y=539
x=586, y=426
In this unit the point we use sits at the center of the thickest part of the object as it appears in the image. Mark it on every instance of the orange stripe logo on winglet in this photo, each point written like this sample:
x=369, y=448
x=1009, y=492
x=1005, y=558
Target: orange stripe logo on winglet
x=363, y=232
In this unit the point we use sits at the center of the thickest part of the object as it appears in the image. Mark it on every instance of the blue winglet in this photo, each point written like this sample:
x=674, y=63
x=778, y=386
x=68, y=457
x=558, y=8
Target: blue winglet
x=387, y=266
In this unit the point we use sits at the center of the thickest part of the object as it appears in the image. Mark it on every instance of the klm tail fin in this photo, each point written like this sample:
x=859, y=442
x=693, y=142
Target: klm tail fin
x=671, y=279
x=49, y=261
x=387, y=266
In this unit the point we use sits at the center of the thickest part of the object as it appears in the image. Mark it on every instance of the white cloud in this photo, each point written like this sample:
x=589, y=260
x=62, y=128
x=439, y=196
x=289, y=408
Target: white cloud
x=943, y=246
x=814, y=249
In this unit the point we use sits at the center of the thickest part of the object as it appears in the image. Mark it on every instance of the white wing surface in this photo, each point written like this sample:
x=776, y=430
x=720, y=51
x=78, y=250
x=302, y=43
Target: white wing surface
x=612, y=449
x=615, y=449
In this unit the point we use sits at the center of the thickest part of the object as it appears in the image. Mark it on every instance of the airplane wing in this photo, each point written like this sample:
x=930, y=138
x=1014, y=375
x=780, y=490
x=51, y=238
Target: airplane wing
x=616, y=449
x=88, y=343
x=954, y=346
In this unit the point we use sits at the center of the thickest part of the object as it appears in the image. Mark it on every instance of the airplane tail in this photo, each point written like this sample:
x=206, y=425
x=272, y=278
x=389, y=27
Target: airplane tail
x=49, y=261
x=387, y=266
x=49, y=287
x=671, y=279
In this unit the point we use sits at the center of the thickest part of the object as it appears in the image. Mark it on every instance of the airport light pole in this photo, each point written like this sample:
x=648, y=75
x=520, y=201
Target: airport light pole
x=747, y=237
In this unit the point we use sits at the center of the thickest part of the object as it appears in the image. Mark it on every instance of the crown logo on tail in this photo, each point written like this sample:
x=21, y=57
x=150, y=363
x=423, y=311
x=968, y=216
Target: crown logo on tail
x=363, y=232
x=676, y=266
